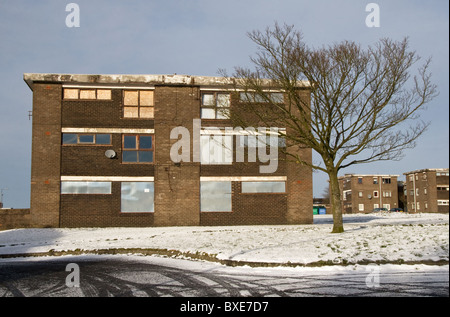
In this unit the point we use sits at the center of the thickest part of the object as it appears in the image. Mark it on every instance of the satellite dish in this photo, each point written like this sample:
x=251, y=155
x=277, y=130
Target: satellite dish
x=110, y=154
x=369, y=196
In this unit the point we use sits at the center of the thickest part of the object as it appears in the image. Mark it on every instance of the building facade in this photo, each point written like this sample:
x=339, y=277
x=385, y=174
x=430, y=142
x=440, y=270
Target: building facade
x=154, y=150
x=427, y=190
x=364, y=193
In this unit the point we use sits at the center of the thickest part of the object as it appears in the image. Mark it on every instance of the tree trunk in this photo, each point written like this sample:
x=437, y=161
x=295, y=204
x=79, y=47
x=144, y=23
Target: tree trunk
x=336, y=206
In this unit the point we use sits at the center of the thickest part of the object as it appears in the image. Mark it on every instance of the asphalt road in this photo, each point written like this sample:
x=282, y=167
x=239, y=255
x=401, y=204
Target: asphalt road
x=133, y=276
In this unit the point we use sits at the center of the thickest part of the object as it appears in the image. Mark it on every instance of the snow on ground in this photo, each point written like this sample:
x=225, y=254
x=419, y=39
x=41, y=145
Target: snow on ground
x=389, y=237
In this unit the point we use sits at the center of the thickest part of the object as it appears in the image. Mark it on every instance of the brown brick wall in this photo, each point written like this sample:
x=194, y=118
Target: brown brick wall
x=45, y=160
x=100, y=211
x=249, y=209
x=14, y=218
x=177, y=186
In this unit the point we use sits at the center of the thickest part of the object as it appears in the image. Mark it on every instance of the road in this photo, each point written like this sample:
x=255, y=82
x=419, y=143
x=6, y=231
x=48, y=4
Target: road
x=134, y=276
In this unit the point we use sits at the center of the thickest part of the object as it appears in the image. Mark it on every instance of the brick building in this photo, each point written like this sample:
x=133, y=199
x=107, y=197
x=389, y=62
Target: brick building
x=364, y=193
x=427, y=190
x=103, y=155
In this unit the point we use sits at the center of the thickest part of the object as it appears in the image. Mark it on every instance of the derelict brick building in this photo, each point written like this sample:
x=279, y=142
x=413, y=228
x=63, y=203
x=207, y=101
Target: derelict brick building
x=364, y=193
x=101, y=156
x=427, y=190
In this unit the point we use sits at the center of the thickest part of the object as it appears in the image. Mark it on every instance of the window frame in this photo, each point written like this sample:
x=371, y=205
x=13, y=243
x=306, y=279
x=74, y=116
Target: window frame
x=122, y=187
x=86, y=183
x=137, y=148
x=226, y=153
x=263, y=192
x=78, y=143
x=228, y=196
x=138, y=106
x=215, y=105
x=79, y=89
x=254, y=97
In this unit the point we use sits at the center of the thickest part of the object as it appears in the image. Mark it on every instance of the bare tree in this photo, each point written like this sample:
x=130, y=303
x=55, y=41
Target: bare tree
x=363, y=106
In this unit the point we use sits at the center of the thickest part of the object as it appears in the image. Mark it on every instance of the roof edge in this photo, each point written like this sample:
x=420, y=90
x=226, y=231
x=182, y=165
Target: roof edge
x=173, y=79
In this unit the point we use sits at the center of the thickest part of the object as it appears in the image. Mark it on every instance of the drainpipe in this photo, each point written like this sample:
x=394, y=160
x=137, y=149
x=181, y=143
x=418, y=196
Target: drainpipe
x=381, y=194
x=414, y=192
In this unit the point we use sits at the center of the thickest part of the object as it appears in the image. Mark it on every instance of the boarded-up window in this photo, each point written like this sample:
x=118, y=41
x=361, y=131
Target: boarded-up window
x=146, y=98
x=104, y=94
x=130, y=98
x=87, y=94
x=70, y=93
x=138, y=104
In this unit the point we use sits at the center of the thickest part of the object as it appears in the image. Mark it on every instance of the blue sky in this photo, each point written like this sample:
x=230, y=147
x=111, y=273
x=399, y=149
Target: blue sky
x=197, y=37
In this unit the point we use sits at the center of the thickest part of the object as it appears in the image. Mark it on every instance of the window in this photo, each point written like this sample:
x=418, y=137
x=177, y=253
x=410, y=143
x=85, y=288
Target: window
x=387, y=193
x=137, y=197
x=86, y=139
x=361, y=207
x=360, y=194
x=375, y=180
x=274, y=97
x=85, y=188
x=360, y=180
x=87, y=94
x=442, y=188
x=215, y=106
x=216, y=149
x=215, y=196
x=387, y=206
x=255, y=141
x=442, y=202
x=386, y=180
x=138, y=104
x=137, y=149
x=347, y=194
x=375, y=193
x=263, y=187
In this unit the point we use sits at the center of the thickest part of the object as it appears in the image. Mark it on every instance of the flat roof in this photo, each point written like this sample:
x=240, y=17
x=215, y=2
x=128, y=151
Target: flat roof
x=368, y=175
x=123, y=79
x=428, y=170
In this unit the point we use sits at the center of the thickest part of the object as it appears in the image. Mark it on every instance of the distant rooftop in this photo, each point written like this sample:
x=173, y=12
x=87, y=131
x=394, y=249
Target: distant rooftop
x=428, y=170
x=368, y=175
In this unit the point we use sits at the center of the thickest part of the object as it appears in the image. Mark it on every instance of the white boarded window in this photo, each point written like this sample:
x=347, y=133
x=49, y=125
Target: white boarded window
x=137, y=197
x=86, y=188
x=263, y=187
x=215, y=196
x=216, y=149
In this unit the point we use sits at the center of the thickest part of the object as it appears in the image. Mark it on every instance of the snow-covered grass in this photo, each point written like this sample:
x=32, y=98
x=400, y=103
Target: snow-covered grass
x=380, y=238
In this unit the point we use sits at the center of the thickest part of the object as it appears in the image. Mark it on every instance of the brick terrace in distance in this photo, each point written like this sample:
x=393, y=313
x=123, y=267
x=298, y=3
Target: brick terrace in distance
x=78, y=119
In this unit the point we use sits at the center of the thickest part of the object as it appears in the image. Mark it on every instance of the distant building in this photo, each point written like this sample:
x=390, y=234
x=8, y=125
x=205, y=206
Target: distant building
x=427, y=190
x=364, y=193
